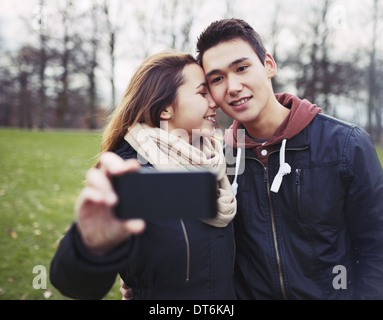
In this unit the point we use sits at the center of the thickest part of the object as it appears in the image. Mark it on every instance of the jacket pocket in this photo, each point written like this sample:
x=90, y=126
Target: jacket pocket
x=319, y=196
x=244, y=199
x=298, y=173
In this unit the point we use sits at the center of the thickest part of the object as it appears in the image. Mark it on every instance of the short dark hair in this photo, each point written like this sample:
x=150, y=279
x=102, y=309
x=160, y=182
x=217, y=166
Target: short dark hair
x=226, y=30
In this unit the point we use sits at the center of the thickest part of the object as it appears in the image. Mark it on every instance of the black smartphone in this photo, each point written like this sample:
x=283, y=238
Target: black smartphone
x=153, y=194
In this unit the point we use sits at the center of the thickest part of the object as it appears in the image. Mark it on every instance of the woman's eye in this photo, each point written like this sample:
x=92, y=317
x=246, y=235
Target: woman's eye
x=203, y=94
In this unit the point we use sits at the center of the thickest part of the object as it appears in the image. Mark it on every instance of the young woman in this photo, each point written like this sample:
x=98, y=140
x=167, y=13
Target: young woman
x=166, y=105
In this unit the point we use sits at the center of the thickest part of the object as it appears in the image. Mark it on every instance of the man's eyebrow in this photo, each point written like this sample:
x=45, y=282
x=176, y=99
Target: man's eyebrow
x=232, y=64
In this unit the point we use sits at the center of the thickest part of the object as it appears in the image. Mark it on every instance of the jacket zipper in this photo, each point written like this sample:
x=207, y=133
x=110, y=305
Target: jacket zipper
x=187, y=250
x=274, y=230
x=275, y=237
x=235, y=248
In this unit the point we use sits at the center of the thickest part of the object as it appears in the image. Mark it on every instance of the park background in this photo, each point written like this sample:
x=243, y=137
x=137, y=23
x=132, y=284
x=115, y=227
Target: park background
x=65, y=64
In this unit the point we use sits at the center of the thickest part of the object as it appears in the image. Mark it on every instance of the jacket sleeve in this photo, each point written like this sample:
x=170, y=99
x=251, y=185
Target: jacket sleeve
x=80, y=275
x=364, y=212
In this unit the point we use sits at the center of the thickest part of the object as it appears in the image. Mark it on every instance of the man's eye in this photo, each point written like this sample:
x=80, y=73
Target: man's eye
x=216, y=79
x=242, y=68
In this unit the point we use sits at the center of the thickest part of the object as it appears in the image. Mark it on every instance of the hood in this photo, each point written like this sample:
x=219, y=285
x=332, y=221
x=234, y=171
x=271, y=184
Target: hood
x=302, y=112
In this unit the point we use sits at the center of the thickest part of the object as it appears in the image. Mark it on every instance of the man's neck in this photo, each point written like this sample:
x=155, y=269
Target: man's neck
x=265, y=125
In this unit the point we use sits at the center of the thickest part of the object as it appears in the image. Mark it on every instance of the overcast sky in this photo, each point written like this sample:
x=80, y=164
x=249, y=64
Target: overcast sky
x=350, y=20
x=347, y=14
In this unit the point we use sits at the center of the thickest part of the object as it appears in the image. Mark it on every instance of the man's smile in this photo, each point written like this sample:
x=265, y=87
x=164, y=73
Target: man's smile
x=240, y=102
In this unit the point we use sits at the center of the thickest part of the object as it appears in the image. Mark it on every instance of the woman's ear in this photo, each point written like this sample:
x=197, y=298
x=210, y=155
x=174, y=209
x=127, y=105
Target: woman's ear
x=167, y=113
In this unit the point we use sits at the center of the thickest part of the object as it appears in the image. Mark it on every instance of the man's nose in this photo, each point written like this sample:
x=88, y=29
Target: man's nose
x=234, y=85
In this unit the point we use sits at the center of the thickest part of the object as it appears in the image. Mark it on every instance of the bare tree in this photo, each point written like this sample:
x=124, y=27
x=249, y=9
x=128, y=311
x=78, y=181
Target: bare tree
x=112, y=30
x=146, y=32
x=26, y=60
x=186, y=43
x=42, y=64
x=315, y=78
x=379, y=99
x=37, y=25
x=8, y=96
x=276, y=27
x=92, y=64
x=7, y=86
x=318, y=74
x=169, y=26
x=70, y=44
x=374, y=106
x=177, y=30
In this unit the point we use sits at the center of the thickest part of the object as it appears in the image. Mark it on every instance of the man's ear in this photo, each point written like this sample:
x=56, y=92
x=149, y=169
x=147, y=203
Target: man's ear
x=270, y=65
x=167, y=113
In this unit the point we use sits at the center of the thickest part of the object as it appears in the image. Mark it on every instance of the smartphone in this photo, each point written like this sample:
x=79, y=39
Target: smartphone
x=153, y=194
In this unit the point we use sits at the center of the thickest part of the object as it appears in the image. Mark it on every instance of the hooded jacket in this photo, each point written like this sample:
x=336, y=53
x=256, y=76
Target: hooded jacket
x=309, y=223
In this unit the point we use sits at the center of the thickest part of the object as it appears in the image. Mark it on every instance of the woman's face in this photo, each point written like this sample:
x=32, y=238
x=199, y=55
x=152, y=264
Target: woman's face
x=195, y=111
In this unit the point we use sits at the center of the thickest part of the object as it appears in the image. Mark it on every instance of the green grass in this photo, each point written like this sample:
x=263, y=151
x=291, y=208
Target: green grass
x=41, y=175
x=379, y=150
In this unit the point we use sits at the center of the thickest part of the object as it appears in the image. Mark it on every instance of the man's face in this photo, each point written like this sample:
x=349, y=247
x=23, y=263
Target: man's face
x=239, y=83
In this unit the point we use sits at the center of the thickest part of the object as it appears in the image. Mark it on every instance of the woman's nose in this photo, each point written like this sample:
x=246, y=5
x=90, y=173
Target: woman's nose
x=212, y=103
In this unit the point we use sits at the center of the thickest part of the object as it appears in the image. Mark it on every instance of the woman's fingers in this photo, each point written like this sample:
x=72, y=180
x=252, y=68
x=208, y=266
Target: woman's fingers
x=98, y=181
x=134, y=226
x=126, y=292
x=112, y=164
x=92, y=196
x=100, y=229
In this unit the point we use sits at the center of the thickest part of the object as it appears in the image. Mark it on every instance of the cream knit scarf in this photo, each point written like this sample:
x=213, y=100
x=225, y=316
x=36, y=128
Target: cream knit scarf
x=166, y=151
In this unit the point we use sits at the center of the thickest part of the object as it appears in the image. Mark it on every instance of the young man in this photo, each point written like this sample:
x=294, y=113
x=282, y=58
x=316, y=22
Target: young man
x=310, y=200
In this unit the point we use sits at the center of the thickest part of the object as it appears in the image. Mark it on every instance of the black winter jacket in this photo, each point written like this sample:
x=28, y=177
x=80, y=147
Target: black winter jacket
x=172, y=259
x=321, y=235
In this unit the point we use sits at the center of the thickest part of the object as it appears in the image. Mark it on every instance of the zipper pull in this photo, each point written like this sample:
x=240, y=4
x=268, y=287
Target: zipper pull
x=266, y=175
x=298, y=176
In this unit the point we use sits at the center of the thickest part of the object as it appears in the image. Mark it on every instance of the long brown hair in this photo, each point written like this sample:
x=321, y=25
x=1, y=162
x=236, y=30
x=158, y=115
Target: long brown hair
x=152, y=88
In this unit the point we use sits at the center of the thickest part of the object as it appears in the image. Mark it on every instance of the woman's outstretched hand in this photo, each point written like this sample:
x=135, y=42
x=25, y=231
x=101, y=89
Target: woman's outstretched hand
x=100, y=229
